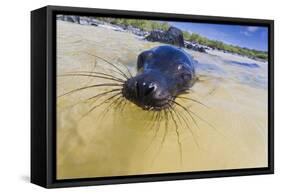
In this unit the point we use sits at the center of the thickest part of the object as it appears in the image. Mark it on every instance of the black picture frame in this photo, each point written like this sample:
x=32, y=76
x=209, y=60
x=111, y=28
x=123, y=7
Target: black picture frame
x=43, y=97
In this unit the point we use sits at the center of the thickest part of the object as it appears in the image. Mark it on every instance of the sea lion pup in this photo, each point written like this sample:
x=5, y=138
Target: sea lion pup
x=164, y=72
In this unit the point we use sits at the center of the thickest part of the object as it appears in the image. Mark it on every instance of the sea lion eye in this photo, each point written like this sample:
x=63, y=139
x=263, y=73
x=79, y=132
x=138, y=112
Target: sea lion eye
x=179, y=67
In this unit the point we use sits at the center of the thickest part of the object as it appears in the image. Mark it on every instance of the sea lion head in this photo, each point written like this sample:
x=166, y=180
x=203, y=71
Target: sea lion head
x=163, y=73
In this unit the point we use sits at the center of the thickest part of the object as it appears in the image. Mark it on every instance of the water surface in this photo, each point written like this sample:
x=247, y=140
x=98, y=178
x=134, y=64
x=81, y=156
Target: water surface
x=114, y=141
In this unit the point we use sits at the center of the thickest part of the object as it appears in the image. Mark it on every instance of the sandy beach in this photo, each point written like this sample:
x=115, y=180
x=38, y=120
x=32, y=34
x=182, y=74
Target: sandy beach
x=231, y=134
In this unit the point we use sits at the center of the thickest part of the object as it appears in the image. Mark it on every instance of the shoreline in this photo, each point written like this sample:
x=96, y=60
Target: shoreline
x=91, y=21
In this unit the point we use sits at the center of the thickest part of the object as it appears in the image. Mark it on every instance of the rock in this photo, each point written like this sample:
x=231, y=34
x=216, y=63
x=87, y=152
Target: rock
x=176, y=36
x=79, y=20
x=72, y=18
x=88, y=21
x=60, y=17
x=195, y=46
x=172, y=36
x=136, y=31
x=69, y=18
x=201, y=49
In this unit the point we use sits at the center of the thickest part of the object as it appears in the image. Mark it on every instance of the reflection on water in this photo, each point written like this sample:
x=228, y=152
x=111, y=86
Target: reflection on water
x=121, y=139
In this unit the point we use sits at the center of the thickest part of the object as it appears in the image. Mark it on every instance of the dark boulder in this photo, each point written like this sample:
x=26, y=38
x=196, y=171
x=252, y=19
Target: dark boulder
x=136, y=31
x=78, y=20
x=71, y=18
x=176, y=36
x=195, y=47
x=201, y=49
x=172, y=36
x=88, y=21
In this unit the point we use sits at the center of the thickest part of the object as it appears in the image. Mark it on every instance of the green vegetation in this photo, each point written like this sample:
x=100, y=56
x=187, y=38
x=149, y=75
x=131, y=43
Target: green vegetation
x=149, y=25
x=145, y=25
x=222, y=46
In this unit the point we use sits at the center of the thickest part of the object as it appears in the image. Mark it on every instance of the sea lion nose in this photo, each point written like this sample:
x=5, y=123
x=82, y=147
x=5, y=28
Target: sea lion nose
x=144, y=89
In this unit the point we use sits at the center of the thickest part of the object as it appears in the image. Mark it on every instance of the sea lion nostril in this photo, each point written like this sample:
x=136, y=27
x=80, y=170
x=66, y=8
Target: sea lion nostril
x=149, y=89
x=137, y=88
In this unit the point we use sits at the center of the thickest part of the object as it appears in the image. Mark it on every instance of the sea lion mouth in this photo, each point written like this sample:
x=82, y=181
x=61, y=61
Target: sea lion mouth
x=160, y=105
x=143, y=102
x=148, y=91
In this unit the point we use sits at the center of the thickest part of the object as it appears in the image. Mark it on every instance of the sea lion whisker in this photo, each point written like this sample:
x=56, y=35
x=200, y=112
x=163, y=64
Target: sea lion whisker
x=117, y=105
x=149, y=125
x=98, y=73
x=96, y=96
x=103, y=102
x=188, y=111
x=157, y=128
x=124, y=105
x=117, y=72
x=164, y=135
x=157, y=124
x=193, y=100
x=166, y=126
x=102, y=94
x=203, y=120
x=91, y=86
x=181, y=117
x=157, y=115
x=177, y=115
x=192, y=118
x=178, y=136
x=152, y=121
x=105, y=111
x=89, y=75
x=127, y=69
x=118, y=69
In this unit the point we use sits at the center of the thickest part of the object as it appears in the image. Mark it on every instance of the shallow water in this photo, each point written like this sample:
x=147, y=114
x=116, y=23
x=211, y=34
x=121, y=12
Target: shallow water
x=122, y=139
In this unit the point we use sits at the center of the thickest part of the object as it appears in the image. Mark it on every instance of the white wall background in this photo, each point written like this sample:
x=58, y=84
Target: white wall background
x=15, y=94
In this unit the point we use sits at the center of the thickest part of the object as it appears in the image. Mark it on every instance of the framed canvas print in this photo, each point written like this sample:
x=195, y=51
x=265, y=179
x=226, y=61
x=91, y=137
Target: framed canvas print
x=126, y=96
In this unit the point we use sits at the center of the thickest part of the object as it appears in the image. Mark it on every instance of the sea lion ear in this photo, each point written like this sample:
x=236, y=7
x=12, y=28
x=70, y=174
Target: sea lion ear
x=142, y=59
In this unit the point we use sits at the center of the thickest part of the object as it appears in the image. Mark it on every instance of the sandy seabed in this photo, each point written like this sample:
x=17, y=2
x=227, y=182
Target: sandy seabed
x=231, y=134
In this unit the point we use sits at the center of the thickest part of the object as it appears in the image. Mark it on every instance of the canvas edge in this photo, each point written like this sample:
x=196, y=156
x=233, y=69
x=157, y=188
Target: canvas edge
x=51, y=181
x=38, y=170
